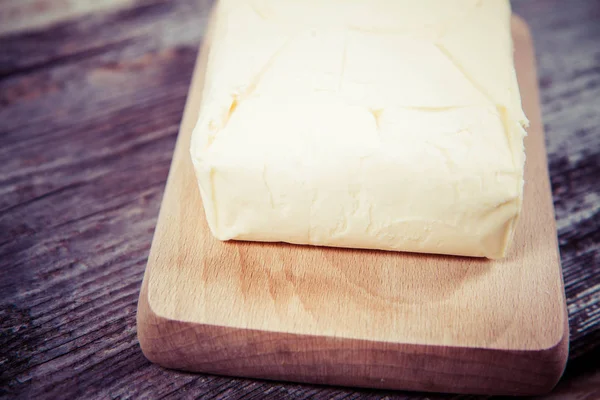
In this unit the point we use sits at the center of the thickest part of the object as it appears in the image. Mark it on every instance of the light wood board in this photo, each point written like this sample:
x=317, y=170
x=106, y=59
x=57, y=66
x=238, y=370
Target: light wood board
x=357, y=317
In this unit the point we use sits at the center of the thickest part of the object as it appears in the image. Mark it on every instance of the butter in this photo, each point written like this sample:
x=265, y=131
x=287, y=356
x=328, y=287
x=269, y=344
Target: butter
x=393, y=125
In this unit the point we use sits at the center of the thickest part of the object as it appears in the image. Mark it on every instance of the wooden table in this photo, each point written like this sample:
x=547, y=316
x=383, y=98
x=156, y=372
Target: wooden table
x=91, y=96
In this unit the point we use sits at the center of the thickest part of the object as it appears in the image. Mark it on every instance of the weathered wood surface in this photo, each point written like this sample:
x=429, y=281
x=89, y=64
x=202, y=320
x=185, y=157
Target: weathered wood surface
x=90, y=104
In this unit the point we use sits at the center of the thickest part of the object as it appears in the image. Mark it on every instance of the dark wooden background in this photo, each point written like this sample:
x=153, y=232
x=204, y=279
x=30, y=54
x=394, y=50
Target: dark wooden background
x=91, y=96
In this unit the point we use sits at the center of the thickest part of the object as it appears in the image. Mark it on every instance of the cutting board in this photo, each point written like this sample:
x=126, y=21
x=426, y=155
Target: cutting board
x=357, y=317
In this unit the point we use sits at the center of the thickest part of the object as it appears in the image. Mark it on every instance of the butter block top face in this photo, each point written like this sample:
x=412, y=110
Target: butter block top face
x=393, y=125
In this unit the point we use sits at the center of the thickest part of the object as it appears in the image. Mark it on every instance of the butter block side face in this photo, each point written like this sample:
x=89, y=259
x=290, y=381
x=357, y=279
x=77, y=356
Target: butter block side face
x=363, y=124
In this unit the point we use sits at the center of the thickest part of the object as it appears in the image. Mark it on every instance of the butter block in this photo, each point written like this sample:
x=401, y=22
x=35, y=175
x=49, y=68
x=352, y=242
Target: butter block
x=377, y=124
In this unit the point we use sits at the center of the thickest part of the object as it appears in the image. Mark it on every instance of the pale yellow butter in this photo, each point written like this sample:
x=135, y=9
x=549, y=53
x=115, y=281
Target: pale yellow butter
x=393, y=125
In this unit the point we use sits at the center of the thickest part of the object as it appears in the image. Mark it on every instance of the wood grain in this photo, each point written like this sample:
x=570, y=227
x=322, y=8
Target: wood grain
x=355, y=317
x=90, y=105
x=21, y=15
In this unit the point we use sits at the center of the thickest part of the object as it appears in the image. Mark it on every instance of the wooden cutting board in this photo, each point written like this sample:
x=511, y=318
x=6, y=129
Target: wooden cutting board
x=356, y=317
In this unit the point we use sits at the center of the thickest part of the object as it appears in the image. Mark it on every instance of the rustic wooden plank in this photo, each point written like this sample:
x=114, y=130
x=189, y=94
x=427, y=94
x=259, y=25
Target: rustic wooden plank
x=94, y=148
x=21, y=15
x=89, y=110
